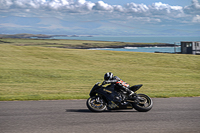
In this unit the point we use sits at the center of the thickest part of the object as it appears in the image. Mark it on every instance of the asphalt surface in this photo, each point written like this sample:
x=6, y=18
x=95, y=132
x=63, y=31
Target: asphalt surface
x=168, y=115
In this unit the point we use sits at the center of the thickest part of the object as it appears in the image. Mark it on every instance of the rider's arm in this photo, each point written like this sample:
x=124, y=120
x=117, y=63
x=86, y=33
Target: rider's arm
x=110, y=81
x=114, y=80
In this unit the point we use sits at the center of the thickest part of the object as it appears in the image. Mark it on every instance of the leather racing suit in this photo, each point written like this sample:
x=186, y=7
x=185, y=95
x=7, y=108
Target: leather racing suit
x=120, y=83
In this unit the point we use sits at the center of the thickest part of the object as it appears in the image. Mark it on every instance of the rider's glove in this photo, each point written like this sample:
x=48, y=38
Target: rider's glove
x=104, y=82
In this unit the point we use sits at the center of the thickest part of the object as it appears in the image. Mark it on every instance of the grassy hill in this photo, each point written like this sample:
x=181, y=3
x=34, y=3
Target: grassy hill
x=41, y=73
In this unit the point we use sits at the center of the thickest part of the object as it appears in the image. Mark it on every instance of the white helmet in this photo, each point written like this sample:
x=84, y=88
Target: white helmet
x=108, y=76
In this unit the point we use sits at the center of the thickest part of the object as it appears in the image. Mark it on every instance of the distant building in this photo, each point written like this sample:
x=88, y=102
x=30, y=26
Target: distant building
x=190, y=47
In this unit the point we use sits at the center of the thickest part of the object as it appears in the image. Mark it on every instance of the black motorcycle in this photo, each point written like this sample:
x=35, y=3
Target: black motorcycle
x=111, y=97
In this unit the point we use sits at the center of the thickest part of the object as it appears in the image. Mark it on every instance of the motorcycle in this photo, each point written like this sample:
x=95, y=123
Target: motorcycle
x=111, y=98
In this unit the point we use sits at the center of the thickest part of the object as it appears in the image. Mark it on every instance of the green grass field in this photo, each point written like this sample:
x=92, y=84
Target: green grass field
x=42, y=73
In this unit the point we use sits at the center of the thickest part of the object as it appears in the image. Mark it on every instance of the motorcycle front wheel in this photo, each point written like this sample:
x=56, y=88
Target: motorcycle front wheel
x=96, y=104
x=144, y=103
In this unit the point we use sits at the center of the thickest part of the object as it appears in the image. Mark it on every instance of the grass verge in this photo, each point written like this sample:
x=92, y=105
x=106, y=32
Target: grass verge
x=40, y=73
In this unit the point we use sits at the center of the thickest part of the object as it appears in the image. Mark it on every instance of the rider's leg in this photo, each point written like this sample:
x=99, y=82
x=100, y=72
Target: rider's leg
x=129, y=91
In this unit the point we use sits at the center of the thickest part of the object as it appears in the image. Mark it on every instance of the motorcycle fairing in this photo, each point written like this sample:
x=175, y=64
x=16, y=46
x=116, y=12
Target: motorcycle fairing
x=108, y=92
x=113, y=106
x=112, y=98
x=135, y=87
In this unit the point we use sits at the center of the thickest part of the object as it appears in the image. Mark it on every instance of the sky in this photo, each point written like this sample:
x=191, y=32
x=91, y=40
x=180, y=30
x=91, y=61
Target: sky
x=101, y=18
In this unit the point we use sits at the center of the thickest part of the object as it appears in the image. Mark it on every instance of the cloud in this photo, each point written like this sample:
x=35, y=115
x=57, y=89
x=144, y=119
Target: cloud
x=72, y=8
x=56, y=5
x=196, y=4
x=100, y=5
x=72, y=13
x=136, y=8
x=68, y=6
x=194, y=8
x=196, y=19
x=5, y=4
x=13, y=25
x=159, y=7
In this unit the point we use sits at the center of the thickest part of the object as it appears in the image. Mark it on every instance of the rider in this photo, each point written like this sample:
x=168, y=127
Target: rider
x=109, y=78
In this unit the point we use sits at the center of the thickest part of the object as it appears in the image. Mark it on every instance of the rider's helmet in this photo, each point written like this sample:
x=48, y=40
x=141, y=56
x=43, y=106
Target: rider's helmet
x=108, y=76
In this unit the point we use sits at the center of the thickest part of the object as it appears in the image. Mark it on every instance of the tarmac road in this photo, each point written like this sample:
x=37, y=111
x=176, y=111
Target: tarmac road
x=168, y=115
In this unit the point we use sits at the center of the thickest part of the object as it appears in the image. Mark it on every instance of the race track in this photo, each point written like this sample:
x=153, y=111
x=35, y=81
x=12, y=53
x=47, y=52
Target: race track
x=169, y=115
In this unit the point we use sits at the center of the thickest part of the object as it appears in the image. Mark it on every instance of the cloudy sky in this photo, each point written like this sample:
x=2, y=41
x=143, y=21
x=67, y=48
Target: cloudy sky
x=106, y=17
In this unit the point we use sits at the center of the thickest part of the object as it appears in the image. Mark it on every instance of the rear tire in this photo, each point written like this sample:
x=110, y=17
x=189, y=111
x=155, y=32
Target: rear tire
x=96, y=105
x=143, y=105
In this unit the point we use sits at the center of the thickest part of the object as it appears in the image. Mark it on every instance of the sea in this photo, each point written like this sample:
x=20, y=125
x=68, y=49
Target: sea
x=168, y=40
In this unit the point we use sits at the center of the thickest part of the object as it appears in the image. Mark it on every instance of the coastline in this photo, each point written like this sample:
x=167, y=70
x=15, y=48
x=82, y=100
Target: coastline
x=92, y=42
x=78, y=44
x=128, y=45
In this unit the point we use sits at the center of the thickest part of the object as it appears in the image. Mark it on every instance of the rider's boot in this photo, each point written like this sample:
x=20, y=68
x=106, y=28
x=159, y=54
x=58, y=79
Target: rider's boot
x=130, y=92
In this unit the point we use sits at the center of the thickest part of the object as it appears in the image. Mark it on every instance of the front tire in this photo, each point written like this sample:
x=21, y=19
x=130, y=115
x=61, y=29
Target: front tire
x=143, y=104
x=96, y=104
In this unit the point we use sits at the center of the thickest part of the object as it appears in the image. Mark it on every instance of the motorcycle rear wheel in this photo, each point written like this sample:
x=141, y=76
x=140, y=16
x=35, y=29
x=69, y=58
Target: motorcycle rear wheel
x=96, y=104
x=144, y=103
